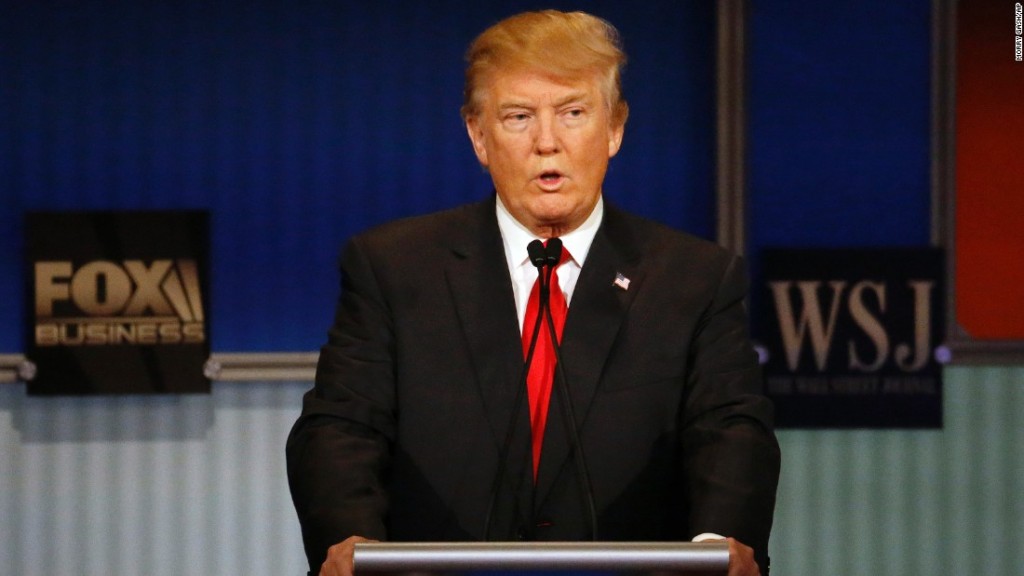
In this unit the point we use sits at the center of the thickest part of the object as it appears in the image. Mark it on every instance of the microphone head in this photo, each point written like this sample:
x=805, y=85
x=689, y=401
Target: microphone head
x=536, y=251
x=553, y=251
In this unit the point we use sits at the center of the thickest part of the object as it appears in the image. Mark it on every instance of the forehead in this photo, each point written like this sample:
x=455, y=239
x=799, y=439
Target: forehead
x=504, y=87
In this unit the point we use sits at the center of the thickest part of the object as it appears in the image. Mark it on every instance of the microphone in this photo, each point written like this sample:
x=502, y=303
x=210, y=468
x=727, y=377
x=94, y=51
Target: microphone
x=553, y=255
x=538, y=254
x=538, y=257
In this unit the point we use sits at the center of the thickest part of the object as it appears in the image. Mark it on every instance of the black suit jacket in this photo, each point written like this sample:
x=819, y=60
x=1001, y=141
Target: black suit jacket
x=415, y=389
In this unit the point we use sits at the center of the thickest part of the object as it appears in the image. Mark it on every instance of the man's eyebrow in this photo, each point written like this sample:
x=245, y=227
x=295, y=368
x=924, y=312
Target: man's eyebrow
x=515, y=104
x=574, y=97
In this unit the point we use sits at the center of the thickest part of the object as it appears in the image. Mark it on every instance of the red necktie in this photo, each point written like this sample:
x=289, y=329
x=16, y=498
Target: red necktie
x=542, y=368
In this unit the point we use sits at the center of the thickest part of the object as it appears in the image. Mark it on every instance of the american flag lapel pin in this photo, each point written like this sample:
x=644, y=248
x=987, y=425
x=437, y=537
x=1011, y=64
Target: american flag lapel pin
x=621, y=281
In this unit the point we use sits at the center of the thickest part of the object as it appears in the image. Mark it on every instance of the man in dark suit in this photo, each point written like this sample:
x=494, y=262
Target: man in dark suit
x=416, y=428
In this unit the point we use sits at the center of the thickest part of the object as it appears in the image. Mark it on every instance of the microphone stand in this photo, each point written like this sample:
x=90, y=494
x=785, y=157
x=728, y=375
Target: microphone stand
x=537, y=258
x=554, y=256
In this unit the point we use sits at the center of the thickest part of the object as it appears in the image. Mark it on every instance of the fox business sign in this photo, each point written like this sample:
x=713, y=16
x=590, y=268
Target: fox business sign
x=111, y=303
x=117, y=301
x=851, y=338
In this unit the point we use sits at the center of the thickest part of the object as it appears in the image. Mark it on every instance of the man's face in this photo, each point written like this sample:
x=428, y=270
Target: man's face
x=546, y=143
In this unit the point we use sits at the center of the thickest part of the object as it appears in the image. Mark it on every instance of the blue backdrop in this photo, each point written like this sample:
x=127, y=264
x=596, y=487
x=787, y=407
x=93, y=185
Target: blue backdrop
x=297, y=124
x=839, y=128
x=839, y=123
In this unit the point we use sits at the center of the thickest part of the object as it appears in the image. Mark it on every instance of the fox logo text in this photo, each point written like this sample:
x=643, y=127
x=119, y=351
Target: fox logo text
x=131, y=302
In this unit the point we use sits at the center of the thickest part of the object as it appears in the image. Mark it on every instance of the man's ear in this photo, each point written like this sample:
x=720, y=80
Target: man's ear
x=615, y=138
x=476, y=136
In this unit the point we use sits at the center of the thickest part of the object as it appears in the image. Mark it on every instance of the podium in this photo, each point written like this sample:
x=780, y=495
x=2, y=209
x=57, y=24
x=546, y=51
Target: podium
x=450, y=558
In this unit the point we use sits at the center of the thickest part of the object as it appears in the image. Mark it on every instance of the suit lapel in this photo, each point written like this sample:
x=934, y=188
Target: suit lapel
x=595, y=315
x=481, y=291
x=482, y=294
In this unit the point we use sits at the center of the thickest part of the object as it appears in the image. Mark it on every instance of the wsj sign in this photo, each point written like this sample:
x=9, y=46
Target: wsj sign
x=117, y=301
x=851, y=336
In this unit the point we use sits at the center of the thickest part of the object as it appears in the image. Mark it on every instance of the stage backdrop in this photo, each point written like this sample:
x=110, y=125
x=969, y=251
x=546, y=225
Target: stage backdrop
x=195, y=484
x=299, y=124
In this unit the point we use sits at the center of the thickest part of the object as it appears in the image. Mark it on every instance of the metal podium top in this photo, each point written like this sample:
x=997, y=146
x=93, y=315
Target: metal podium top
x=634, y=557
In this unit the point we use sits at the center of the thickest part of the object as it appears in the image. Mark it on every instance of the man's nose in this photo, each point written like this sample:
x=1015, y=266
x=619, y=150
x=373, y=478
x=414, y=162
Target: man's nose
x=546, y=140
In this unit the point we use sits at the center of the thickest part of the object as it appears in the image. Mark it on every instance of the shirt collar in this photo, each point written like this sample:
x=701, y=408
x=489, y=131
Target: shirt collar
x=515, y=236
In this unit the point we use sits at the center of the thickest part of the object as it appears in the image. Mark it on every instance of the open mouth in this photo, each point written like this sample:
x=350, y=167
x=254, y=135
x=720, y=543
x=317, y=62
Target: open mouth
x=550, y=177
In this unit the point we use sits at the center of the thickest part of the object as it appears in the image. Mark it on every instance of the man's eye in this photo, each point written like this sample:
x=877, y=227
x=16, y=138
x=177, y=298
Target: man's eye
x=575, y=114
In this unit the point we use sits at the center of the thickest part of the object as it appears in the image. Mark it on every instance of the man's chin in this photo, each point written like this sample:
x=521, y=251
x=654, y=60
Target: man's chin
x=552, y=225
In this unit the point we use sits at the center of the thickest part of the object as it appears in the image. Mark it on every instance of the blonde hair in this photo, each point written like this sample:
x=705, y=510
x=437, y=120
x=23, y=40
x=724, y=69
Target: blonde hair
x=566, y=44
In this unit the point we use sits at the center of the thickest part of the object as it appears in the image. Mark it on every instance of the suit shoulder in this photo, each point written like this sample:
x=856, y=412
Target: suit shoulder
x=425, y=226
x=653, y=238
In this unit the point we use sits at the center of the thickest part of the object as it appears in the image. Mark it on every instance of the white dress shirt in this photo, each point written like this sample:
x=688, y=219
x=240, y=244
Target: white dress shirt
x=516, y=237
